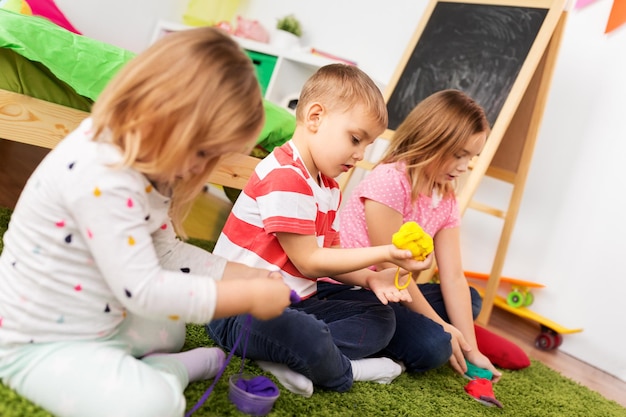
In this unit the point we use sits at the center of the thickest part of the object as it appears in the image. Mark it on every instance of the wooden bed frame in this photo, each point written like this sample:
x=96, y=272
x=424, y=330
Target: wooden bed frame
x=40, y=123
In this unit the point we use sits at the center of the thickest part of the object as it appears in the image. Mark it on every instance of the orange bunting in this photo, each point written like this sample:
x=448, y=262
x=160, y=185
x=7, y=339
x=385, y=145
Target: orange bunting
x=617, y=17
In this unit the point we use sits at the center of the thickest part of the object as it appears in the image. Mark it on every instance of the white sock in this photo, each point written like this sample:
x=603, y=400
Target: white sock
x=293, y=381
x=381, y=370
x=201, y=363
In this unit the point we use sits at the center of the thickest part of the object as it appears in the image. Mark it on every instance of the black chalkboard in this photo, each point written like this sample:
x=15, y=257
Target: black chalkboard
x=476, y=48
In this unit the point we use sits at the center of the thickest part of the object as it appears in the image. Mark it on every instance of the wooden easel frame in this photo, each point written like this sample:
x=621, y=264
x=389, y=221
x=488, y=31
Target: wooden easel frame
x=508, y=152
x=525, y=124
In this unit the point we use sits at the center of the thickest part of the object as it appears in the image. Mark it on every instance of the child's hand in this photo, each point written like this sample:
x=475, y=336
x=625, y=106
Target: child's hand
x=481, y=361
x=257, y=291
x=249, y=272
x=271, y=298
x=382, y=284
x=405, y=260
x=412, y=239
x=460, y=349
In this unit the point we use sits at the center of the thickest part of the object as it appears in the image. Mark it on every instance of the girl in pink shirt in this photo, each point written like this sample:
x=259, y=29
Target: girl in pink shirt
x=415, y=182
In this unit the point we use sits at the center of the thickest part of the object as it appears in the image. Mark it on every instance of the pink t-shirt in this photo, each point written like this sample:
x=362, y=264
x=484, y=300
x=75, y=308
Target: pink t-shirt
x=389, y=185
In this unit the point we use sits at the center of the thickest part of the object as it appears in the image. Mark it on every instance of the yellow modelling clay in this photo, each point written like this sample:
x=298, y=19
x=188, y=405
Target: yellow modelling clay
x=397, y=281
x=412, y=237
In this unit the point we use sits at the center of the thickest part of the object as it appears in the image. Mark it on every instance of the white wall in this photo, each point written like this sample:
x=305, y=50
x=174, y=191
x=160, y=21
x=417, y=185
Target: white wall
x=570, y=228
x=127, y=24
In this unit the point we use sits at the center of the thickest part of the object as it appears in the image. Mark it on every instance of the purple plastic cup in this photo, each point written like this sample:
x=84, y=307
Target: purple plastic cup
x=252, y=395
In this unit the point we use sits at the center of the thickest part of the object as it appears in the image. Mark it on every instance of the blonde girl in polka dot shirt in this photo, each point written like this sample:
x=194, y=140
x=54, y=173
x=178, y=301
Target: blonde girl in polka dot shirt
x=415, y=182
x=95, y=286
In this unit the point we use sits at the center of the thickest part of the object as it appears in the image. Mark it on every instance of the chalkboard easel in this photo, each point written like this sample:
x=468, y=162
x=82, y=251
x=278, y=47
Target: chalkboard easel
x=501, y=53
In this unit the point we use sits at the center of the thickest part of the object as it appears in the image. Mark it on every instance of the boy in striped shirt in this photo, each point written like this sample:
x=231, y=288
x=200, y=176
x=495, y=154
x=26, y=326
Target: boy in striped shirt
x=286, y=219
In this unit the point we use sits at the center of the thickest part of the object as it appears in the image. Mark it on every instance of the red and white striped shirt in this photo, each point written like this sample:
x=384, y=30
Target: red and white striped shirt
x=281, y=196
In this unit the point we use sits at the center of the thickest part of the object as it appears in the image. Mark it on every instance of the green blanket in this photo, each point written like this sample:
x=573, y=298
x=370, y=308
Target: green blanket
x=45, y=61
x=34, y=79
x=72, y=58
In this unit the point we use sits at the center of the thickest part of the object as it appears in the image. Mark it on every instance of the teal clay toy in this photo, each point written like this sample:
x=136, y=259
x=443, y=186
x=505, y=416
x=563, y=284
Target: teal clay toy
x=474, y=371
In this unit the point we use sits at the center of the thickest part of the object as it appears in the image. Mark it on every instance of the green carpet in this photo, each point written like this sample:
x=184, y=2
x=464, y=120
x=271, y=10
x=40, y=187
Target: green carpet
x=534, y=391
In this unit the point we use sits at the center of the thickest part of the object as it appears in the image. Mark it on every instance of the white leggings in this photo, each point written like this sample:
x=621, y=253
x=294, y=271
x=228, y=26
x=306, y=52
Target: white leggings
x=103, y=378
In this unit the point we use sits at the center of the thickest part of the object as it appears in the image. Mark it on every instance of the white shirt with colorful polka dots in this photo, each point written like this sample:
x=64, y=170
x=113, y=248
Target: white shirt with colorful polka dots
x=89, y=241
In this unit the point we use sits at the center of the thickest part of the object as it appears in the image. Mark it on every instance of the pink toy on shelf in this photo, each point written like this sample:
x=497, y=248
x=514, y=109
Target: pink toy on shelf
x=251, y=29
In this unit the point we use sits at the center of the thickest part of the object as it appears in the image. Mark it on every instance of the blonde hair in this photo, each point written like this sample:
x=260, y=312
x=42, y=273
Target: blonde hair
x=339, y=87
x=434, y=131
x=191, y=89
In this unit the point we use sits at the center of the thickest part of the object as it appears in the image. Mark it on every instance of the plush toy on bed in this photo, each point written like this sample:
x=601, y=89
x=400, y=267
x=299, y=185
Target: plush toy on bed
x=43, y=8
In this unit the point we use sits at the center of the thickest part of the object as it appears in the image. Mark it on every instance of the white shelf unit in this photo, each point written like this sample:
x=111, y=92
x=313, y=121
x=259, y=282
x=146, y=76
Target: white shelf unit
x=292, y=68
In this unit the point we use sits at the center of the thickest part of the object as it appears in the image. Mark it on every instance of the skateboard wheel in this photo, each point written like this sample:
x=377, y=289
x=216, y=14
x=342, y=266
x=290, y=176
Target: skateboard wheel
x=528, y=300
x=559, y=340
x=515, y=299
x=548, y=341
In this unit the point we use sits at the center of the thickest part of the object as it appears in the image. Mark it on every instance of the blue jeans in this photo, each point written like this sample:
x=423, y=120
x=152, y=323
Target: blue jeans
x=420, y=343
x=315, y=337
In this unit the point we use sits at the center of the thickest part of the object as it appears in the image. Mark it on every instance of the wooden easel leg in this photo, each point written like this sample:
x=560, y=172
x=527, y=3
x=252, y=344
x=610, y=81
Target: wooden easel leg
x=530, y=111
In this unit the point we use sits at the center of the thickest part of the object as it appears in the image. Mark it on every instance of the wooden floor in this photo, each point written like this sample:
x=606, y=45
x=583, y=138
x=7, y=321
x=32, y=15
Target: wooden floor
x=523, y=333
x=17, y=162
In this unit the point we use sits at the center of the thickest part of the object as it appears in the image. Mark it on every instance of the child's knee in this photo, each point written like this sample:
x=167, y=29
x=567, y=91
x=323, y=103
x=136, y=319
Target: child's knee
x=156, y=398
x=477, y=302
x=381, y=327
x=431, y=353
